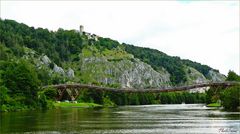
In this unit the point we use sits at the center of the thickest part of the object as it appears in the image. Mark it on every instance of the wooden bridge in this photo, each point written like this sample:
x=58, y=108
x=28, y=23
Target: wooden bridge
x=72, y=90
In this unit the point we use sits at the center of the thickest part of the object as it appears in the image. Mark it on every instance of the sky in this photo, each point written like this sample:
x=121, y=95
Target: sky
x=202, y=31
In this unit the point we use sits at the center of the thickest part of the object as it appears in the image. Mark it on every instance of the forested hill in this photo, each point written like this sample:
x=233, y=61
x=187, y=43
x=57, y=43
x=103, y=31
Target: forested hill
x=92, y=59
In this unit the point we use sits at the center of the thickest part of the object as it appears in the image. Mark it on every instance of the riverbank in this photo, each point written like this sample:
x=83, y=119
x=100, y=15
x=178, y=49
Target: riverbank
x=214, y=105
x=84, y=105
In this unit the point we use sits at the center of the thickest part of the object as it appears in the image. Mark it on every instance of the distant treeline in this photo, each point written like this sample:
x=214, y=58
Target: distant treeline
x=141, y=98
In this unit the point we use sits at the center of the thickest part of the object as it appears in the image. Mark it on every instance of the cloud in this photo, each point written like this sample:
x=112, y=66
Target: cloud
x=202, y=31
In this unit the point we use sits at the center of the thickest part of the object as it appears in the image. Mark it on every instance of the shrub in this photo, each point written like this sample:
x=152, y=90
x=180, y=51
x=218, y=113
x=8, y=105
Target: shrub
x=107, y=102
x=3, y=95
x=50, y=93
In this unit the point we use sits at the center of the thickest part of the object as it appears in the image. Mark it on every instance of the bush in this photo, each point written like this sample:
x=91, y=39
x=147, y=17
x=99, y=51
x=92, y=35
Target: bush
x=42, y=100
x=107, y=102
x=3, y=95
x=50, y=93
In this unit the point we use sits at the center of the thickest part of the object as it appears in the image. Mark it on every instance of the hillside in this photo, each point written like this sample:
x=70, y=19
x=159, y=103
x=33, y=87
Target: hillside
x=66, y=56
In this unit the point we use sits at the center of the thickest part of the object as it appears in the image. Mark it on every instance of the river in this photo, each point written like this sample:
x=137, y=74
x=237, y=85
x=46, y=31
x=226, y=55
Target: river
x=144, y=119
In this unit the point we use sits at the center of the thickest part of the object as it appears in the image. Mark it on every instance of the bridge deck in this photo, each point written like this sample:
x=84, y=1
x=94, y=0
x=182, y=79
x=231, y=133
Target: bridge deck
x=149, y=90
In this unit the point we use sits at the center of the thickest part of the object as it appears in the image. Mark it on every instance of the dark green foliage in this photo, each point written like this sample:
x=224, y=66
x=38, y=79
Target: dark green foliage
x=231, y=98
x=42, y=100
x=213, y=94
x=91, y=96
x=209, y=95
x=57, y=45
x=107, y=43
x=117, y=98
x=50, y=93
x=20, y=78
x=107, y=102
x=19, y=86
x=57, y=79
x=51, y=65
x=5, y=53
x=3, y=95
x=44, y=77
x=141, y=98
x=182, y=97
x=232, y=76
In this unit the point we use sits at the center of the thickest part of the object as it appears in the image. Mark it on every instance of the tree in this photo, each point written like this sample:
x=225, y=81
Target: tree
x=21, y=79
x=232, y=76
x=213, y=95
x=231, y=98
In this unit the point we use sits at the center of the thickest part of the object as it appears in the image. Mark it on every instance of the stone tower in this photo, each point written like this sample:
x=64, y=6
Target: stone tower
x=81, y=29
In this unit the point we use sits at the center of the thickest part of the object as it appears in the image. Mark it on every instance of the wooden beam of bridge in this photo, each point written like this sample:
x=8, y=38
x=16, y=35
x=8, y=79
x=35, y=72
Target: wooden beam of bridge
x=149, y=90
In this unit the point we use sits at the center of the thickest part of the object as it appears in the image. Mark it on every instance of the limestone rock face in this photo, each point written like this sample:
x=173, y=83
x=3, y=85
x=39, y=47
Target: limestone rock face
x=215, y=76
x=116, y=68
x=58, y=69
x=128, y=73
x=194, y=76
x=46, y=60
x=70, y=73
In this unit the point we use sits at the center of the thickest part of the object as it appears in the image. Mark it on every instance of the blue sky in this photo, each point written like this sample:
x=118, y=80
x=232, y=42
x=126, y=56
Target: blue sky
x=202, y=31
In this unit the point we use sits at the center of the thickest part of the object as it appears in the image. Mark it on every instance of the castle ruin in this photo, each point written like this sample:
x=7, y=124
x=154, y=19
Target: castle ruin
x=81, y=30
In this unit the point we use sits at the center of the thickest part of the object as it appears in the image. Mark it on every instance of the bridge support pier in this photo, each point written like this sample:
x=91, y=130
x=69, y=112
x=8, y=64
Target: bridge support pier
x=60, y=93
x=70, y=93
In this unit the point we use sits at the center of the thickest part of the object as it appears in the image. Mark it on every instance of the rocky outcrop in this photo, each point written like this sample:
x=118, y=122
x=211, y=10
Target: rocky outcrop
x=58, y=69
x=194, y=76
x=142, y=75
x=116, y=67
x=129, y=73
x=70, y=73
x=46, y=60
x=215, y=76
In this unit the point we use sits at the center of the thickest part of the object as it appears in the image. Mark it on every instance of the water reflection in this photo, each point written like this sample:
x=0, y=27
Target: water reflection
x=149, y=119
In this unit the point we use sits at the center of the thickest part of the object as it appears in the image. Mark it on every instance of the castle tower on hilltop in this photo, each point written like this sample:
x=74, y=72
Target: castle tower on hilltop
x=81, y=29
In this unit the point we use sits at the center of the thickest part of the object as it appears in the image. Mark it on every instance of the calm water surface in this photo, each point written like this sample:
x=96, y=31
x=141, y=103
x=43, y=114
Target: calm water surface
x=146, y=119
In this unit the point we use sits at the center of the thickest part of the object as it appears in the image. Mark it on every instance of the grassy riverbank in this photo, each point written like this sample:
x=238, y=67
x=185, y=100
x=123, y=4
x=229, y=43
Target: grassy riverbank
x=214, y=105
x=67, y=104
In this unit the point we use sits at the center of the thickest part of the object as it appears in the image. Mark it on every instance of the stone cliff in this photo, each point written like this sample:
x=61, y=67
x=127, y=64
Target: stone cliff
x=118, y=67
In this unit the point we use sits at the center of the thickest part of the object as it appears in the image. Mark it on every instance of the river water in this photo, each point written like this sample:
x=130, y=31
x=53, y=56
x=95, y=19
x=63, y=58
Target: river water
x=144, y=119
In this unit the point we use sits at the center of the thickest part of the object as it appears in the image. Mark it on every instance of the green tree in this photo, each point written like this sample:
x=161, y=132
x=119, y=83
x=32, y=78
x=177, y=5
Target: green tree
x=231, y=98
x=213, y=95
x=21, y=79
x=232, y=76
